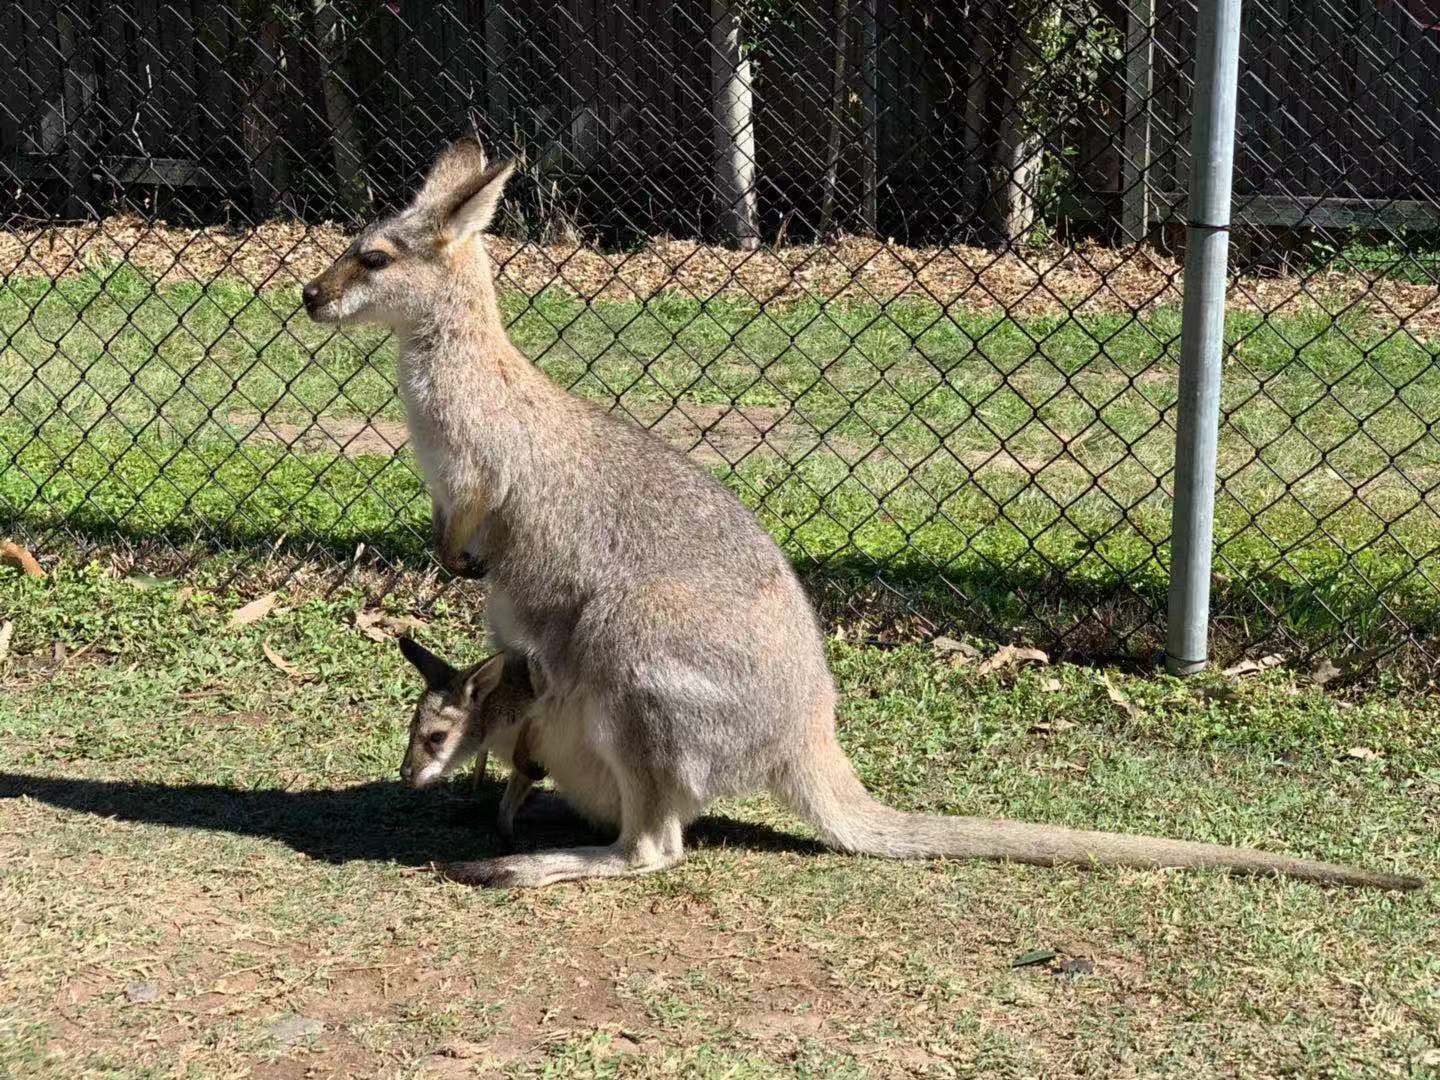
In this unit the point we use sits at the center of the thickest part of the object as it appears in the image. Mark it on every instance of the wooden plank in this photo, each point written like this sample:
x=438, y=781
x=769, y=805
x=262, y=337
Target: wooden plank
x=14, y=101
x=870, y=112
x=114, y=72
x=1190, y=40
x=128, y=169
x=1139, y=87
x=891, y=105
x=1285, y=211
x=150, y=65
x=1413, y=88
x=1261, y=155
x=72, y=36
x=497, y=74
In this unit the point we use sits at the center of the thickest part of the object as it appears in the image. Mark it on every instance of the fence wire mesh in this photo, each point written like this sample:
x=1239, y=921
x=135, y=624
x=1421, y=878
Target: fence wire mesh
x=906, y=276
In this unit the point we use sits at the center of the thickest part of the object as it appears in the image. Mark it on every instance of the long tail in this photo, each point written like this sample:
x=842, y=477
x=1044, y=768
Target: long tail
x=826, y=792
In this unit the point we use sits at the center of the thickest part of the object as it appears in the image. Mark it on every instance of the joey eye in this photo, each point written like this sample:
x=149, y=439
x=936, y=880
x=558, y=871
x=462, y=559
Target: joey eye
x=374, y=260
x=436, y=739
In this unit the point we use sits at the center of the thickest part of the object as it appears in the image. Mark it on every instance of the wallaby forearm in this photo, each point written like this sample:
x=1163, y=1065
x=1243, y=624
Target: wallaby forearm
x=453, y=529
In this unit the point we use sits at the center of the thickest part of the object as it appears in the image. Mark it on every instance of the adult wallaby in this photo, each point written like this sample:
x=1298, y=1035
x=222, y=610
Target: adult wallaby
x=682, y=659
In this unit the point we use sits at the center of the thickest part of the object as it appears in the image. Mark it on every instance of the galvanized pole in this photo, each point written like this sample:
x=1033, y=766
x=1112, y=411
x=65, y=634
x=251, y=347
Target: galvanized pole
x=1202, y=333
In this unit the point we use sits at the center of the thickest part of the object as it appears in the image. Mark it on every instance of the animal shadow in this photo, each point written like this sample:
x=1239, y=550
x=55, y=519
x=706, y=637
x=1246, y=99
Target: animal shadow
x=379, y=821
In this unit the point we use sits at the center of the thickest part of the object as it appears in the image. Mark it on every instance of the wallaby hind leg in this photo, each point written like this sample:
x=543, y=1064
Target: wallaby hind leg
x=651, y=839
x=516, y=792
x=477, y=776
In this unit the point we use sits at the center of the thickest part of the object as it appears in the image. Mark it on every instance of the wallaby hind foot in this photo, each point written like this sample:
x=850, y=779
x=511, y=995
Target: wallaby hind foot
x=567, y=864
x=652, y=822
x=651, y=839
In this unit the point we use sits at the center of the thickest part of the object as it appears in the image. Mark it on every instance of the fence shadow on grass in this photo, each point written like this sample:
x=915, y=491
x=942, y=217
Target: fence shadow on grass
x=379, y=821
x=1078, y=615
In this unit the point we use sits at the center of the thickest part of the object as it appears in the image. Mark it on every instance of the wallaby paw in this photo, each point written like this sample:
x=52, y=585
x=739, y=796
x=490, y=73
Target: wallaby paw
x=469, y=567
x=486, y=873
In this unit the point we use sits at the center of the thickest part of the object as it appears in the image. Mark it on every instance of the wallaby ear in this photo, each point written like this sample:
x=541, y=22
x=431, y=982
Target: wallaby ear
x=482, y=679
x=474, y=211
x=456, y=168
x=437, y=673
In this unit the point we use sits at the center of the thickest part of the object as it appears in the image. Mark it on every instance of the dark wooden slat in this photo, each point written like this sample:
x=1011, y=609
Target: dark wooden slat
x=126, y=169
x=1280, y=210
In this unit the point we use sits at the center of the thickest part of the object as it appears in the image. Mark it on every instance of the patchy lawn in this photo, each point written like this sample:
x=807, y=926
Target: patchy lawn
x=1027, y=458
x=207, y=867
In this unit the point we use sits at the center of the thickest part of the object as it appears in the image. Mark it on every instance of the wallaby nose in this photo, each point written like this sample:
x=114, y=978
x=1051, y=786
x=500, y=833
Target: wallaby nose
x=405, y=773
x=310, y=294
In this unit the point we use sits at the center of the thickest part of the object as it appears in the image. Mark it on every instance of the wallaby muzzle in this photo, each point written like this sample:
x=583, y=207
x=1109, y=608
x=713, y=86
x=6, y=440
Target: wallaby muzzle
x=329, y=287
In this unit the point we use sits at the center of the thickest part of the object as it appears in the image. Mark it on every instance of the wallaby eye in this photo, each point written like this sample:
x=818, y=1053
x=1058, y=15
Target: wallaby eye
x=436, y=739
x=374, y=260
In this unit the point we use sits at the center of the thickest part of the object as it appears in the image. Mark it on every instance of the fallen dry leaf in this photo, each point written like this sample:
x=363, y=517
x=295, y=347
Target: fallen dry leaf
x=279, y=661
x=1362, y=753
x=1052, y=686
x=381, y=627
x=1128, y=707
x=1252, y=667
x=13, y=554
x=1051, y=727
x=7, y=631
x=1010, y=656
x=460, y=1050
x=254, y=611
x=294, y=1028
x=148, y=581
x=1220, y=693
x=949, y=646
x=1034, y=956
x=142, y=993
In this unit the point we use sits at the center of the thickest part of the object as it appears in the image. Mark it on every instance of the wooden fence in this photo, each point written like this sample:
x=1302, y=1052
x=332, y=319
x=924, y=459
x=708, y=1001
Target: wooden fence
x=1338, y=124
x=904, y=112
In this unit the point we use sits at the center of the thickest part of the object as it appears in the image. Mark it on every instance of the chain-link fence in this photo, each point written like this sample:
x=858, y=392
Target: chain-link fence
x=906, y=275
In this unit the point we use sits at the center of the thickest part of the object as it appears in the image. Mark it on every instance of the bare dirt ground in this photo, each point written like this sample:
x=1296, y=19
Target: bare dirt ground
x=208, y=868
x=1090, y=278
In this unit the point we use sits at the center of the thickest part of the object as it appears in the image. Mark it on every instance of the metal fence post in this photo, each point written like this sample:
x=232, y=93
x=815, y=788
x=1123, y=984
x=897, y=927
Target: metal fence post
x=1202, y=334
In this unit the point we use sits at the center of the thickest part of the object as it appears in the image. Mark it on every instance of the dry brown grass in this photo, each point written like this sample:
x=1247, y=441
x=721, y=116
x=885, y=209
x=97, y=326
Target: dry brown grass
x=1089, y=278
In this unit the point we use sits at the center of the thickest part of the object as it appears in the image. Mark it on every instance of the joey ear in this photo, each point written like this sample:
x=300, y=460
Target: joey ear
x=520, y=673
x=537, y=677
x=483, y=678
x=472, y=209
x=437, y=673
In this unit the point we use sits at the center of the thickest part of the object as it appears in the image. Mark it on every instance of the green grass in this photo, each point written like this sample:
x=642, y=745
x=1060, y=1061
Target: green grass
x=1403, y=256
x=177, y=811
x=1019, y=456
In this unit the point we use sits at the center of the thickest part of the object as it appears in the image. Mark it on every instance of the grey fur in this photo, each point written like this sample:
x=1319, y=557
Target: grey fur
x=682, y=659
x=462, y=716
